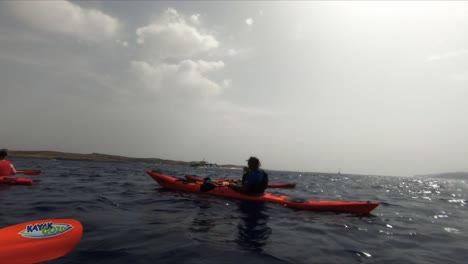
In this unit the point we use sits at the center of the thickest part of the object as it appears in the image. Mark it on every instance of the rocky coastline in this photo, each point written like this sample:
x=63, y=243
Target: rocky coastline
x=56, y=155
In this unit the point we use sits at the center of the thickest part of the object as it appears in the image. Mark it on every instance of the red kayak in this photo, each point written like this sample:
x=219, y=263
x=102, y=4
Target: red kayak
x=359, y=207
x=39, y=241
x=15, y=180
x=273, y=185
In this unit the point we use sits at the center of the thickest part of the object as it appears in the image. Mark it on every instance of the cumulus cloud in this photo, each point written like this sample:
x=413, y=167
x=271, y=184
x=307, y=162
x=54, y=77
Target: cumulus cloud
x=173, y=36
x=182, y=79
x=195, y=18
x=66, y=18
x=170, y=62
x=249, y=21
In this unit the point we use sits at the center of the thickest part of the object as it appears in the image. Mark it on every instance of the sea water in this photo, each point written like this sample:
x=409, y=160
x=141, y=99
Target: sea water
x=128, y=218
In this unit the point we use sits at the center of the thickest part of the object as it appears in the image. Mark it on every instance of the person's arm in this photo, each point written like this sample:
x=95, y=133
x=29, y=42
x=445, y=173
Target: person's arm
x=13, y=170
x=237, y=188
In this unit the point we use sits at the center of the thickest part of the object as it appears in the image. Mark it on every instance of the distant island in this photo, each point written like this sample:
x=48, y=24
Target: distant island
x=446, y=175
x=55, y=155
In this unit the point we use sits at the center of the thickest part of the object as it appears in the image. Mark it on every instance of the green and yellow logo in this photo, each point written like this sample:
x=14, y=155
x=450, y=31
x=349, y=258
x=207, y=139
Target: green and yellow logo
x=45, y=230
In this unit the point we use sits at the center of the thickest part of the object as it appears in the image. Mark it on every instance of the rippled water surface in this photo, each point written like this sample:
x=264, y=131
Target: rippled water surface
x=128, y=218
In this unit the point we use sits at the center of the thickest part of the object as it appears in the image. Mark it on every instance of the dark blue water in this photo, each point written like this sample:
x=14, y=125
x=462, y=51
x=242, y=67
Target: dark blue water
x=128, y=218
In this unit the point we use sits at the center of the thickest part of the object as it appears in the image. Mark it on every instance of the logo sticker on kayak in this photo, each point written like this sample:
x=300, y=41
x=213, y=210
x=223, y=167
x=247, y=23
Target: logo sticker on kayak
x=45, y=230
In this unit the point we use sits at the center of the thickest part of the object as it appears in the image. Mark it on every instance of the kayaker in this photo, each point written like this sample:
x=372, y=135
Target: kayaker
x=6, y=168
x=254, y=180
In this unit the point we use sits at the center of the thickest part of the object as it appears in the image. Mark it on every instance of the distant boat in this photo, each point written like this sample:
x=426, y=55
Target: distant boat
x=203, y=164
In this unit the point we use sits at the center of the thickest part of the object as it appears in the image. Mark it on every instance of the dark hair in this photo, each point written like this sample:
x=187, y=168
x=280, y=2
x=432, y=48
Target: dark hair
x=3, y=153
x=254, y=161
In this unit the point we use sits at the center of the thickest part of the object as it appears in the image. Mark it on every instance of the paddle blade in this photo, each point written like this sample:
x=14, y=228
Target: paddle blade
x=207, y=186
x=39, y=240
x=29, y=172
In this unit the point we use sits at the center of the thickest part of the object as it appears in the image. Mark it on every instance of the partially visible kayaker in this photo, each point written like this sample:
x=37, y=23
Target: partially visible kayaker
x=254, y=180
x=6, y=168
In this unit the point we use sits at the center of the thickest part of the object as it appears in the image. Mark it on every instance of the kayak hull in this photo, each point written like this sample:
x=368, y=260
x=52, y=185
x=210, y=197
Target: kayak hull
x=15, y=180
x=358, y=207
x=272, y=185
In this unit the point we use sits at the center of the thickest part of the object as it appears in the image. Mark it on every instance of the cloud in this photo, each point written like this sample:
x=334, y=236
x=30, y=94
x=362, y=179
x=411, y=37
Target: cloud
x=122, y=43
x=249, y=21
x=232, y=52
x=195, y=18
x=227, y=83
x=172, y=36
x=170, y=61
x=66, y=18
x=182, y=79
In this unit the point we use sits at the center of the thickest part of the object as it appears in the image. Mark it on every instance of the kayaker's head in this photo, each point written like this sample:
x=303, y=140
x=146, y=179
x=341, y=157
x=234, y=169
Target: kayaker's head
x=3, y=153
x=254, y=163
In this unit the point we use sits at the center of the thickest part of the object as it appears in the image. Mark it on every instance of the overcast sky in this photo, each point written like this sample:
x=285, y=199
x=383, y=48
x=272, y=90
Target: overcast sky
x=368, y=87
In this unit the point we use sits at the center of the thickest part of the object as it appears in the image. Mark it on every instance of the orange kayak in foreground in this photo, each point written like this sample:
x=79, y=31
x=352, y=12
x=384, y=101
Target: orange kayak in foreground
x=358, y=207
x=39, y=240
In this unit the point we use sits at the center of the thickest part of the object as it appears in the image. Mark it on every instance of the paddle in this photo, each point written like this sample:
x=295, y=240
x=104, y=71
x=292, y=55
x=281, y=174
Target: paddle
x=282, y=185
x=29, y=172
x=38, y=241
